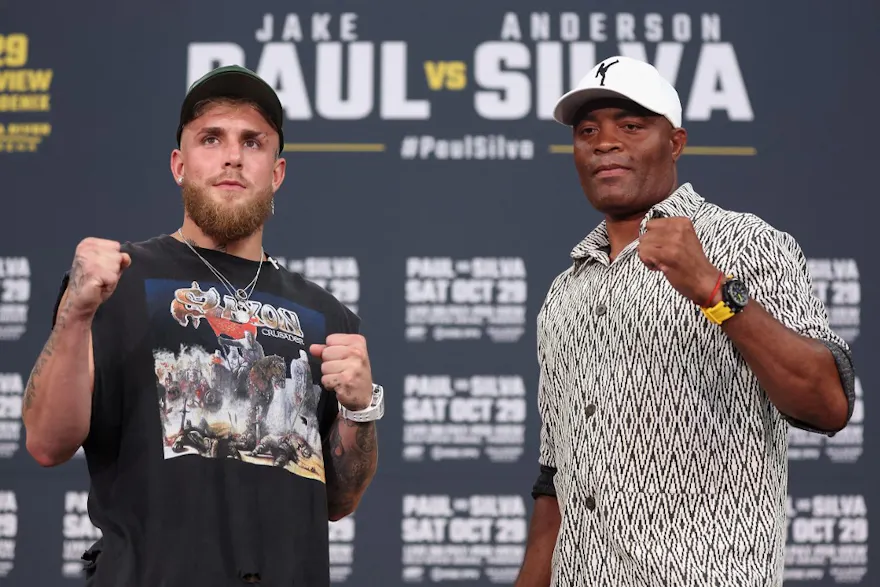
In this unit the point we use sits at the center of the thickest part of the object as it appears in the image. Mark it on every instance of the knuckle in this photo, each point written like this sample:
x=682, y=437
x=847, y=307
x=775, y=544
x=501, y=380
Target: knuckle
x=104, y=265
x=89, y=267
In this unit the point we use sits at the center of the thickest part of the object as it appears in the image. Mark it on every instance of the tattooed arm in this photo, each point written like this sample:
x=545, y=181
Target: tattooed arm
x=350, y=454
x=57, y=404
x=350, y=459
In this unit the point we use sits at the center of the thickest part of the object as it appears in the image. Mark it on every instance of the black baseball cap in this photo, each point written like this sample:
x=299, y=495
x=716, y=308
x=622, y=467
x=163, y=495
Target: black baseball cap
x=233, y=81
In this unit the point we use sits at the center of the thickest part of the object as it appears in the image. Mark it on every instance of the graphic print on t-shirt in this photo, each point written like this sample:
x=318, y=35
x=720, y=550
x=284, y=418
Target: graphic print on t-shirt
x=236, y=390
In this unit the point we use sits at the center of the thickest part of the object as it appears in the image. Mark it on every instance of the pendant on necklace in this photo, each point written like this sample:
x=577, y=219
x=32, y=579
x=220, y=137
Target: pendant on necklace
x=241, y=314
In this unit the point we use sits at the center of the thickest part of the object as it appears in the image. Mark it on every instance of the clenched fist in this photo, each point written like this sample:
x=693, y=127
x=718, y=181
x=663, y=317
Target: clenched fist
x=671, y=245
x=97, y=266
x=345, y=369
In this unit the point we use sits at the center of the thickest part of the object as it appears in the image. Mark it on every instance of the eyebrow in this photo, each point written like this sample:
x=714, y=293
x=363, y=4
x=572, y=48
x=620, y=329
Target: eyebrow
x=245, y=134
x=623, y=114
x=648, y=117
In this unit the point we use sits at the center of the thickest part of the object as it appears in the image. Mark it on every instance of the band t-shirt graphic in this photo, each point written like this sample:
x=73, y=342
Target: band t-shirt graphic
x=231, y=398
x=205, y=448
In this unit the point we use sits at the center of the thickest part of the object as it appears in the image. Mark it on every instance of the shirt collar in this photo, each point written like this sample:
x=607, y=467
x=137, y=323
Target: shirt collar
x=682, y=202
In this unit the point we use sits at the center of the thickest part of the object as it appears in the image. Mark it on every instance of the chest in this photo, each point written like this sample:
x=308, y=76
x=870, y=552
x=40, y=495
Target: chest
x=221, y=387
x=622, y=312
x=622, y=343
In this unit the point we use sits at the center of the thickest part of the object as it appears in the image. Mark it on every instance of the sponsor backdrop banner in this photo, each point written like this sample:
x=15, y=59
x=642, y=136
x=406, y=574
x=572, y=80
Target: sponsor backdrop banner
x=430, y=191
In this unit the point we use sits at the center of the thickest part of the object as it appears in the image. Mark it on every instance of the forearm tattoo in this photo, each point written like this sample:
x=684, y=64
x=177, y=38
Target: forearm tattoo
x=73, y=286
x=30, y=392
x=349, y=466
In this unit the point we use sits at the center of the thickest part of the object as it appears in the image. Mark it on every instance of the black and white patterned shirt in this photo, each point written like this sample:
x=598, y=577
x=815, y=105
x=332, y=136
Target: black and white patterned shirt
x=668, y=460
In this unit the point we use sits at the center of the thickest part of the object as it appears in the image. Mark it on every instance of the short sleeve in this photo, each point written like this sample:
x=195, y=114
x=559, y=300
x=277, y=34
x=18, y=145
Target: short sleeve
x=349, y=323
x=775, y=270
x=546, y=411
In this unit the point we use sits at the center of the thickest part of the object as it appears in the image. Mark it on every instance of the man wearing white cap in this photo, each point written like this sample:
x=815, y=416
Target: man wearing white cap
x=674, y=353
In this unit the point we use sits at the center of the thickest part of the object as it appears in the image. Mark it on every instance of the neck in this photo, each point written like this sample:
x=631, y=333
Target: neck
x=250, y=247
x=621, y=232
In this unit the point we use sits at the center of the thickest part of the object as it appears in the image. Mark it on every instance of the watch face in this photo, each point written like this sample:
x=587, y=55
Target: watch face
x=737, y=293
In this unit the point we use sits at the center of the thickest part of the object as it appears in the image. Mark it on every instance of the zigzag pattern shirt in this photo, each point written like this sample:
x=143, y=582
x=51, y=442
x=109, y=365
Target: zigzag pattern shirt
x=668, y=460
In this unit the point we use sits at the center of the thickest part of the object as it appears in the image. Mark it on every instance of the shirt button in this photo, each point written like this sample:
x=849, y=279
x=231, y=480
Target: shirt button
x=591, y=503
x=591, y=409
x=601, y=309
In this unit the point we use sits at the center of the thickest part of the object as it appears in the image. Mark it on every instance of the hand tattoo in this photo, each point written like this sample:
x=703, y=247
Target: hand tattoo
x=349, y=467
x=75, y=281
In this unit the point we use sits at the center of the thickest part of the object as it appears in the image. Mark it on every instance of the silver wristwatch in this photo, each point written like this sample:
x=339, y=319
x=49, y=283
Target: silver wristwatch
x=373, y=412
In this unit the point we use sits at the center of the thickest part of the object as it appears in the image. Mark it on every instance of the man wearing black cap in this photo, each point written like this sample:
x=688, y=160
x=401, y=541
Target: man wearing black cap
x=249, y=109
x=225, y=406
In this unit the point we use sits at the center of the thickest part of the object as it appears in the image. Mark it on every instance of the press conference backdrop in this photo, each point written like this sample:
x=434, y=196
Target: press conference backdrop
x=429, y=190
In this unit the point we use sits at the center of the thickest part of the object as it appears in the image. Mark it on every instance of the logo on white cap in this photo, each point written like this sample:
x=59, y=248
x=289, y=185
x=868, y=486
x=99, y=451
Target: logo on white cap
x=631, y=79
x=603, y=69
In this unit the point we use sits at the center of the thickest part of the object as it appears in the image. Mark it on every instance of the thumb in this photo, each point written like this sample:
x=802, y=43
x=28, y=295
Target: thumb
x=317, y=350
x=126, y=261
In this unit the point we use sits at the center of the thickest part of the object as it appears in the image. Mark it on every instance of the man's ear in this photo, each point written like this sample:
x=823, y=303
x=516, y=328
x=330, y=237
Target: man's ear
x=679, y=140
x=177, y=166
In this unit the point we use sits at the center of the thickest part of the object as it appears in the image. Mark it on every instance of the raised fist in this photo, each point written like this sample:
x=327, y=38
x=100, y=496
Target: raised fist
x=671, y=245
x=97, y=266
x=346, y=369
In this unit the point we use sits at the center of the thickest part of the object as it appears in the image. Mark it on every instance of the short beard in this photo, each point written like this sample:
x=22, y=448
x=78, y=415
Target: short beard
x=226, y=224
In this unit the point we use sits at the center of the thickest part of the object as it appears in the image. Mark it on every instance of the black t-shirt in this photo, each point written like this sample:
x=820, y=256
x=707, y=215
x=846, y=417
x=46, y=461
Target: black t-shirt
x=205, y=447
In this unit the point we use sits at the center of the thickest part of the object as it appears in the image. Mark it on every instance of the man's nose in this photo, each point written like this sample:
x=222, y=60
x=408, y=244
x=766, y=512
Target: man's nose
x=607, y=140
x=233, y=155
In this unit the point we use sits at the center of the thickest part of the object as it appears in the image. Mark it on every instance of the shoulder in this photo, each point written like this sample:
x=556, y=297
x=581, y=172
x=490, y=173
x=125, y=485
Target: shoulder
x=147, y=253
x=148, y=257
x=560, y=280
x=340, y=317
x=748, y=245
x=730, y=225
x=150, y=246
x=557, y=289
x=744, y=235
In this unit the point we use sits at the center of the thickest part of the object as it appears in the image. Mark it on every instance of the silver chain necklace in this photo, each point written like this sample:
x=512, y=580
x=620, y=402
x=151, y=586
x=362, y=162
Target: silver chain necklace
x=241, y=296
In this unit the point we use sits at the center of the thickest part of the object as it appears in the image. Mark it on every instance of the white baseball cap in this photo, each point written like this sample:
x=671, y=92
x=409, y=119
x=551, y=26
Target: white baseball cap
x=622, y=77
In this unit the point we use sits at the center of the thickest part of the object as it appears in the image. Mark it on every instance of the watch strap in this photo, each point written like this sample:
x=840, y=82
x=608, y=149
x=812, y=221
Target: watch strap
x=718, y=313
x=373, y=412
